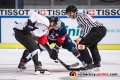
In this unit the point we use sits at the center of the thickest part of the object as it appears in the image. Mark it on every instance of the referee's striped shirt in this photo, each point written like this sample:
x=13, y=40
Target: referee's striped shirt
x=86, y=22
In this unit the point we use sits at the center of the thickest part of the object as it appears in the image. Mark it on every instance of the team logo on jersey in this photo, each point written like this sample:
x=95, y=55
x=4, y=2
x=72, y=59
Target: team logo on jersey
x=73, y=74
x=43, y=12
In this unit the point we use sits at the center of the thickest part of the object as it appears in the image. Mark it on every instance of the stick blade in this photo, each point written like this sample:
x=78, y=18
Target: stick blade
x=74, y=69
x=74, y=65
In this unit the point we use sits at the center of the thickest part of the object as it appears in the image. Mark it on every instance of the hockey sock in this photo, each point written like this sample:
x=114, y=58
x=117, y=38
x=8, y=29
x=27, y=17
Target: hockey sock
x=77, y=54
x=35, y=55
x=29, y=57
x=35, y=59
x=24, y=56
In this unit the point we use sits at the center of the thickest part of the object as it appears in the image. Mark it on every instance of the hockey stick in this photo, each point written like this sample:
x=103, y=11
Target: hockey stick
x=74, y=69
x=59, y=60
x=68, y=67
x=33, y=36
x=65, y=65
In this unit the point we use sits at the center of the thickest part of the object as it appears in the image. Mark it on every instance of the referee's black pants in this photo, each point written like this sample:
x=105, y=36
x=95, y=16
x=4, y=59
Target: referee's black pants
x=28, y=42
x=91, y=41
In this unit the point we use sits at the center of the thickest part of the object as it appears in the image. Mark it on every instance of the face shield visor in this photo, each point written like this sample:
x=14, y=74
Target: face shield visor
x=58, y=25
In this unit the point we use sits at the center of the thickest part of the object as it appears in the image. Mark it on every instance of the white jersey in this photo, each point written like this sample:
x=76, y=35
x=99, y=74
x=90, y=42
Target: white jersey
x=35, y=17
x=20, y=26
x=41, y=31
x=41, y=23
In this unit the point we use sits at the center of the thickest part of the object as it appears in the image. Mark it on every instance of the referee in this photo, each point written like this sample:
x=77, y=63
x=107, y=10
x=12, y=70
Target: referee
x=92, y=33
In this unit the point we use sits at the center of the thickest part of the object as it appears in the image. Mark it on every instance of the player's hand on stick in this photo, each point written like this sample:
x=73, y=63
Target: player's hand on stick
x=54, y=54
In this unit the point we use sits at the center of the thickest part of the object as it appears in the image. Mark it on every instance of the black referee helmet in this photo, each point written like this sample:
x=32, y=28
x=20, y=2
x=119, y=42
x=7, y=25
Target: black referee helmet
x=71, y=8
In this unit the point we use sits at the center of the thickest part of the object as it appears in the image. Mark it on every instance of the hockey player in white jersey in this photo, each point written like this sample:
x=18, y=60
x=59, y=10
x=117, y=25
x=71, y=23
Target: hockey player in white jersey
x=36, y=25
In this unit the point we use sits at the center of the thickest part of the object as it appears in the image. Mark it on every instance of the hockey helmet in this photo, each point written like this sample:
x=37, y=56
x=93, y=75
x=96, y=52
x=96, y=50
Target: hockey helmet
x=55, y=19
x=71, y=8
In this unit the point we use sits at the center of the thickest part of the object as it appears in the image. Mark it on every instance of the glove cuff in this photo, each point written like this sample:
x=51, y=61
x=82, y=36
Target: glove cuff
x=58, y=44
x=57, y=47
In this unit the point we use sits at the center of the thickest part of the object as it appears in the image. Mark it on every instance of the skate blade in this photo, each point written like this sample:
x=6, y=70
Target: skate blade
x=20, y=70
x=37, y=72
x=96, y=69
x=86, y=71
x=45, y=72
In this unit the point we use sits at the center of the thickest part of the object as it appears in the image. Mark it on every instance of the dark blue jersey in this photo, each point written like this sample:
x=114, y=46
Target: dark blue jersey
x=58, y=35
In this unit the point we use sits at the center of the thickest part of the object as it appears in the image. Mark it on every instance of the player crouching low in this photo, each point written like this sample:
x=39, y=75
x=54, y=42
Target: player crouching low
x=29, y=37
x=58, y=35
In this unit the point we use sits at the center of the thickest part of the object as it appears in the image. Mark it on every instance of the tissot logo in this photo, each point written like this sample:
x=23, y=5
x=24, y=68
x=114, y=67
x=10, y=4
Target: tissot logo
x=102, y=12
x=47, y=12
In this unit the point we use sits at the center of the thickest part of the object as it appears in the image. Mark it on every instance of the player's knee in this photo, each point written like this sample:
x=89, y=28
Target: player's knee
x=71, y=47
x=26, y=52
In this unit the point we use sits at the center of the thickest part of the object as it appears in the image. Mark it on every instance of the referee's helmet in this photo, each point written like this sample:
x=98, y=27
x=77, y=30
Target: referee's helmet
x=71, y=8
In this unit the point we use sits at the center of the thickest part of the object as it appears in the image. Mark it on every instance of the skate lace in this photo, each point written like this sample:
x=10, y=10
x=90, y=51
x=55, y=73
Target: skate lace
x=37, y=68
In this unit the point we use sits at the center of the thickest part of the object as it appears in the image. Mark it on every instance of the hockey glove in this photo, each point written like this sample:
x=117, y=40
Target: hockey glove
x=54, y=52
x=29, y=27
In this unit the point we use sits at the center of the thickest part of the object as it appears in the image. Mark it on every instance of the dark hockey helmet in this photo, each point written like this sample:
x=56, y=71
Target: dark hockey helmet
x=53, y=19
x=71, y=8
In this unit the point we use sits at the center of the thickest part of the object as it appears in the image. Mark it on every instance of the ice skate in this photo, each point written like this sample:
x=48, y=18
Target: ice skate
x=96, y=66
x=86, y=68
x=40, y=70
x=21, y=66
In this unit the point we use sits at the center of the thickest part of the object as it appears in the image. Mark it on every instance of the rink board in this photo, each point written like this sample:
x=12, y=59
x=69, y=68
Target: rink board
x=110, y=42
x=100, y=46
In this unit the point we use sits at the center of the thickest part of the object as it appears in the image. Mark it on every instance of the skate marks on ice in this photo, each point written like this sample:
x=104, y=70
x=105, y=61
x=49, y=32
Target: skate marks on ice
x=8, y=66
x=11, y=70
x=110, y=63
x=56, y=74
x=10, y=73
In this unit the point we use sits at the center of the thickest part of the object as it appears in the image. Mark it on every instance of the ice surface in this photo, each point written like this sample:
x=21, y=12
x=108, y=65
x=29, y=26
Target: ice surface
x=9, y=59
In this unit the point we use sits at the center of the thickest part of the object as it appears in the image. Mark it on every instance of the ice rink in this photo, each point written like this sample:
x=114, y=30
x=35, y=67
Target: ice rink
x=9, y=59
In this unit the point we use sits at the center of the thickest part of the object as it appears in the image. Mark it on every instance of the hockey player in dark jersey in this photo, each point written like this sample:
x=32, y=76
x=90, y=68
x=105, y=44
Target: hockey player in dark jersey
x=58, y=35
